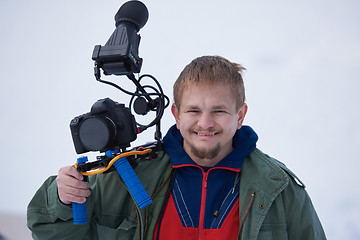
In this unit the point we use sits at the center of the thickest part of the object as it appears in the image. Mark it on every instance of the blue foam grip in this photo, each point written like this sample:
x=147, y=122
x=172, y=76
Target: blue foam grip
x=79, y=209
x=133, y=183
x=79, y=213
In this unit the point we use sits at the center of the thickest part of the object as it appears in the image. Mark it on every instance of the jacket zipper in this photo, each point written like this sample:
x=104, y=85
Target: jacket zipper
x=164, y=184
x=203, y=204
x=138, y=216
x=242, y=220
x=139, y=222
x=203, y=195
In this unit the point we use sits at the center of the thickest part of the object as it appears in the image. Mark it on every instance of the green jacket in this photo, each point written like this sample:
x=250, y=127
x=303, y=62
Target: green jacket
x=273, y=205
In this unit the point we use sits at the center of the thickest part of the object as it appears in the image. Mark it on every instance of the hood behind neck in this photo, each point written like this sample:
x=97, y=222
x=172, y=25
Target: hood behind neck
x=244, y=142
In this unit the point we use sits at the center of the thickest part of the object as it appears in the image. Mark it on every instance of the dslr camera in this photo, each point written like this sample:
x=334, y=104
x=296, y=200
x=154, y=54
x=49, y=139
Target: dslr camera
x=108, y=126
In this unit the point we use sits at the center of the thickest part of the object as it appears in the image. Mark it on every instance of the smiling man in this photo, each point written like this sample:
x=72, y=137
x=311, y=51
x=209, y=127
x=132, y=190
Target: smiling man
x=208, y=119
x=223, y=186
x=210, y=181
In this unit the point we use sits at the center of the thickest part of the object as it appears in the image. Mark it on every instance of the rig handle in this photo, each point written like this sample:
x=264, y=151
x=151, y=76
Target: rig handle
x=79, y=209
x=133, y=183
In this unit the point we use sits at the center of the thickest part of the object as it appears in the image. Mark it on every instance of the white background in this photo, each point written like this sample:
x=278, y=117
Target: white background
x=302, y=85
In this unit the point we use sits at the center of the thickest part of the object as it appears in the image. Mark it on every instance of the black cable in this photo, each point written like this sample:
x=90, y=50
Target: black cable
x=161, y=102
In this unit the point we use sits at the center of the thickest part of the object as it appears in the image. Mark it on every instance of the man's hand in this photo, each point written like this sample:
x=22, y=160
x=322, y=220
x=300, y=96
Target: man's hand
x=71, y=188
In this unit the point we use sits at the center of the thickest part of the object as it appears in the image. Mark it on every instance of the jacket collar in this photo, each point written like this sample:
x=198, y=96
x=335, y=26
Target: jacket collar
x=244, y=142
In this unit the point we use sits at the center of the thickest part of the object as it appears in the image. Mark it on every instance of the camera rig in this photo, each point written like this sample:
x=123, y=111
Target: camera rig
x=110, y=127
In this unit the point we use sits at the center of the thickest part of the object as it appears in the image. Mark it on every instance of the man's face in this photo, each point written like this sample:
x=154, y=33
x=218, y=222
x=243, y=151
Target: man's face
x=208, y=120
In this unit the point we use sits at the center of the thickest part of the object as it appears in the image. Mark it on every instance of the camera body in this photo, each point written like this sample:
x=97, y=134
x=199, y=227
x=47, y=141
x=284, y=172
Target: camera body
x=108, y=126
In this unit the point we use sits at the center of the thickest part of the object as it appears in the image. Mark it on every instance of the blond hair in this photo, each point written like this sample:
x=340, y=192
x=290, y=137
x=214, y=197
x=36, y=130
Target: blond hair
x=211, y=70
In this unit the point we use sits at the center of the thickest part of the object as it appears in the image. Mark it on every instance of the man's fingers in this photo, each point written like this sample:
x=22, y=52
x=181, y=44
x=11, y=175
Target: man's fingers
x=71, y=188
x=68, y=198
x=70, y=171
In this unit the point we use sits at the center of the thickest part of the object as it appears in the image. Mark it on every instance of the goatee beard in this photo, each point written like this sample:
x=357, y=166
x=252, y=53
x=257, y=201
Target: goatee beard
x=205, y=153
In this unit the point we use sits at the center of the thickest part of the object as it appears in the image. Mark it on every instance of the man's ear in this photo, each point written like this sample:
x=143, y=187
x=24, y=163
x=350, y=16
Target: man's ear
x=242, y=113
x=175, y=112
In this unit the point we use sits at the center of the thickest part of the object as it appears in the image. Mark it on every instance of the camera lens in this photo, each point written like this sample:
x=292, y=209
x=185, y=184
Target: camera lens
x=95, y=133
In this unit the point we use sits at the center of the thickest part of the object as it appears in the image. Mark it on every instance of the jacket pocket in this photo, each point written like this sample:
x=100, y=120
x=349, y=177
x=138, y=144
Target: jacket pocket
x=273, y=231
x=125, y=230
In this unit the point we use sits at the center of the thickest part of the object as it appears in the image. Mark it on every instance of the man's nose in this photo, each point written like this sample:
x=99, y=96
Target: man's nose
x=205, y=121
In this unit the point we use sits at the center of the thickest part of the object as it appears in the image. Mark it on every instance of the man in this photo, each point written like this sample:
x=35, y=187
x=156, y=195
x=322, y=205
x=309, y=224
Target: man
x=210, y=182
